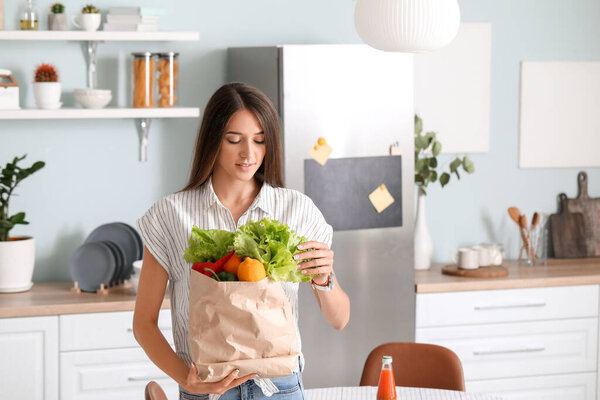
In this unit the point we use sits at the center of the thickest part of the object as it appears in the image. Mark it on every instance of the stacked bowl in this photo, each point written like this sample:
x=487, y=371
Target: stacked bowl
x=93, y=98
x=106, y=257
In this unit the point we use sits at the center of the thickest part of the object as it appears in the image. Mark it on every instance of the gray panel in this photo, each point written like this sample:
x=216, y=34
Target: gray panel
x=256, y=66
x=341, y=189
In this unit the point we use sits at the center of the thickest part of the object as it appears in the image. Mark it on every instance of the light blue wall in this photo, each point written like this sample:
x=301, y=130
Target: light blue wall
x=92, y=174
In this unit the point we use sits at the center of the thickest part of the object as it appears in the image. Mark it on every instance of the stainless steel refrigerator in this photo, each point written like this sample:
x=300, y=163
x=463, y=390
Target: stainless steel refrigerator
x=361, y=101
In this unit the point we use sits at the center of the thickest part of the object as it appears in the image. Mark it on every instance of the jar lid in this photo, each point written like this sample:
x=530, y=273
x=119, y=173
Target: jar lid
x=167, y=54
x=142, y=54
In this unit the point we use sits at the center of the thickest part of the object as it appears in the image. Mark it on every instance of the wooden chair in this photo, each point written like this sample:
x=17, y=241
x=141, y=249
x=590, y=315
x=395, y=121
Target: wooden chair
x=416, y=365
x=154, y=392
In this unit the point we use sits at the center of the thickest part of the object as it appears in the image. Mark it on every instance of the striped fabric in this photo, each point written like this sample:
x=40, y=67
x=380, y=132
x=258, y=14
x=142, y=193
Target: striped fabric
x=167, y=225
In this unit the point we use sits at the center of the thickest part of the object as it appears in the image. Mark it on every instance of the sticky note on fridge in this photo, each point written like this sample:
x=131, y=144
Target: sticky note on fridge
x=320, y=151
x=395, y=150
x=381, y=198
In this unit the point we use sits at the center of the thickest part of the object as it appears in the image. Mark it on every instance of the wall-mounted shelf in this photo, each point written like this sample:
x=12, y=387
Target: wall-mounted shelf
x=99, y=36
x=143, y=116
x=82, y=113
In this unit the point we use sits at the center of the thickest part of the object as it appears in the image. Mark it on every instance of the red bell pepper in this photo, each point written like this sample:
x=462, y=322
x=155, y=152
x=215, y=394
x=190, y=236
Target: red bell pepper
x=217, y=266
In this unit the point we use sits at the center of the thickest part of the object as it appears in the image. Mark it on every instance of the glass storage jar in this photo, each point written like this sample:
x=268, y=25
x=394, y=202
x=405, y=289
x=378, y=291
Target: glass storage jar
x=29, y=17
x=143, y=79
x=168, y=72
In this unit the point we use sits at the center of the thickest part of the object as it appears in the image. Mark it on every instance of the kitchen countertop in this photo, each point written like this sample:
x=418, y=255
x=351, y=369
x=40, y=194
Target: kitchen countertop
x=56, y=298
x=557, y=272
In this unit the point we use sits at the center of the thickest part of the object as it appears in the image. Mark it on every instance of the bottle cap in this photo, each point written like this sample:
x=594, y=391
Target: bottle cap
x=387, y=358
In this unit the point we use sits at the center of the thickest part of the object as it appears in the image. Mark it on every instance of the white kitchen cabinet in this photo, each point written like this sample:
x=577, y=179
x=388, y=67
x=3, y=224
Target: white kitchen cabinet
x=533, y=343
x=548, y=387
x=29, y=358
x=110, y=374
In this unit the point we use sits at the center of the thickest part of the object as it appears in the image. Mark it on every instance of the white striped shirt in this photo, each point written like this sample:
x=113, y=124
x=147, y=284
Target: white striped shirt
x=167, y=226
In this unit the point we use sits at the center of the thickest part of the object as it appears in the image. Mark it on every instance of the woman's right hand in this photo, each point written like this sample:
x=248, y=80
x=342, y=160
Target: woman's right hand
x=195, y=385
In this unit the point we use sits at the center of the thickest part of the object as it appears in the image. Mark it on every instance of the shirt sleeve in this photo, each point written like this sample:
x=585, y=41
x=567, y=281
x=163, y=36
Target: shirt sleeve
x=152, y=232
x=317, y=227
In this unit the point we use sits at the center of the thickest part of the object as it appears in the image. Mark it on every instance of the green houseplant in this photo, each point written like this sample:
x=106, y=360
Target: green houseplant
x=57, y=19
x=89, y=19
x=17, y=254
x=428, y=170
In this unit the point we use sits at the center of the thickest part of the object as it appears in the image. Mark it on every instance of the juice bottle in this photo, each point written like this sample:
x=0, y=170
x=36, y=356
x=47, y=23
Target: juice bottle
x=387, y=387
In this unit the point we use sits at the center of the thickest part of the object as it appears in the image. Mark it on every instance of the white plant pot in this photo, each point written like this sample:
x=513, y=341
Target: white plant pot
x=17, y=258
x=87, y=22
x=423, y=242
x=47, y=95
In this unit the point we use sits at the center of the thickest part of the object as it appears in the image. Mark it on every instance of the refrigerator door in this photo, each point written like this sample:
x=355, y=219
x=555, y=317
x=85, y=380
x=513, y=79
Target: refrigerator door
x=361, y=101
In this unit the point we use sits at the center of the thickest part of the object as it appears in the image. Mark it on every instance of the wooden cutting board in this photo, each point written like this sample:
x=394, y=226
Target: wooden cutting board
x=590, y=209
x=493, y=271
x=568, y=232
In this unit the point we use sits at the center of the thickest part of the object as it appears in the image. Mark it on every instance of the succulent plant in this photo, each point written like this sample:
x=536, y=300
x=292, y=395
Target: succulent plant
x=46, y=73
x=57, y=8
x=10, y=176
x=90, y=9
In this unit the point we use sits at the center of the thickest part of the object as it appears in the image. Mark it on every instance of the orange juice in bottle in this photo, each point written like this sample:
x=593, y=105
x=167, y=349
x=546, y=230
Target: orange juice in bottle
x=387, y=387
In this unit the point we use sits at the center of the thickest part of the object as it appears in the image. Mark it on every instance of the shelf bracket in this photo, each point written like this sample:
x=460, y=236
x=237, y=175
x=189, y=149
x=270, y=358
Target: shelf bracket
x=143, y=128
x=91, y=49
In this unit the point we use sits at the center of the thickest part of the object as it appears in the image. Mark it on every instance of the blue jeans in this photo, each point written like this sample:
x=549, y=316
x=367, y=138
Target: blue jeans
x=290, y=388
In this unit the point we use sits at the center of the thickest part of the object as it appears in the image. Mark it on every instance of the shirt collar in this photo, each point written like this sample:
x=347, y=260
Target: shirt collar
x=209, y=197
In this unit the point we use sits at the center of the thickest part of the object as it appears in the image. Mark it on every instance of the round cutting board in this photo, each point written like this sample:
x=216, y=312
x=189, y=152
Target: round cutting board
x=493, y=271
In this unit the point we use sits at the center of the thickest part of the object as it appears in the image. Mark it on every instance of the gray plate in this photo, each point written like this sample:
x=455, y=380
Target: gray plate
x=92, y=263
x=118, y=233
x=138, y=238
x=119, y=258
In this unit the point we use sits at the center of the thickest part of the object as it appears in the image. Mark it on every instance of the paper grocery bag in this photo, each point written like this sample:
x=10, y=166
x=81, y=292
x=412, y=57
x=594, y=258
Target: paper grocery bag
x=243, y=325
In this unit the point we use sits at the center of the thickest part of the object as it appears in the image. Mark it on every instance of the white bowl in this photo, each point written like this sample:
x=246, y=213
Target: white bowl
x=93, y=98
x=135, y=277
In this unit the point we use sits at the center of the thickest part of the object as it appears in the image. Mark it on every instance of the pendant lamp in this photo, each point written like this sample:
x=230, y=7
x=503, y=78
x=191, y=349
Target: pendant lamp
x=407, y=25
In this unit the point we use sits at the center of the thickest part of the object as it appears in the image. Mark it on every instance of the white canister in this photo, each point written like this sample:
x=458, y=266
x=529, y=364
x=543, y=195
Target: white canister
x=495, y=251
x=483, y=254
x=466, y=258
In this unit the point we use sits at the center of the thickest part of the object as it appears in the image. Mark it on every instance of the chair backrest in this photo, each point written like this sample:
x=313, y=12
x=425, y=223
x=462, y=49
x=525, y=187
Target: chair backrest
x=416, y=365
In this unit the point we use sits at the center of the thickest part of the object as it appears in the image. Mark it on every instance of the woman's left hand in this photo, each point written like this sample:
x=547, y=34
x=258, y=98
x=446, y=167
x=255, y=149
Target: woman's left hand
x=321, y=264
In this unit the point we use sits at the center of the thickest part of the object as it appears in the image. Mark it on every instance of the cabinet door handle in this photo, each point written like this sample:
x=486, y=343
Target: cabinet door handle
x=526, y=349
x=162, y=328
x=146, y=378
x=538, y=303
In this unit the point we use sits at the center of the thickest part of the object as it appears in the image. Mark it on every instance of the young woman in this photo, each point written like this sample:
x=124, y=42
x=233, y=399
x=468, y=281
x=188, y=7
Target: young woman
x=236, y=176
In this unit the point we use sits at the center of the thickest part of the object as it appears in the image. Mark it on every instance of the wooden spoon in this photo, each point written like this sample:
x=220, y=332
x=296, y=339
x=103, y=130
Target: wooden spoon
x=534, y=221
x=523, y=226
x=514, y=214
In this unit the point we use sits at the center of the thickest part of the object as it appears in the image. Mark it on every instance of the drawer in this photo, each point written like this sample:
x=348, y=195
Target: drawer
x=550, y=387
x=110, y=374
x=520, y=349
x=104, y=330
x=507, y=305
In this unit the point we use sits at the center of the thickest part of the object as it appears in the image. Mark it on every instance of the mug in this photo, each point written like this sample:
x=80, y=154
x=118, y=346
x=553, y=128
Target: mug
x=466, y=258
x=87, y=22
x=483, y=255
x=495, y=251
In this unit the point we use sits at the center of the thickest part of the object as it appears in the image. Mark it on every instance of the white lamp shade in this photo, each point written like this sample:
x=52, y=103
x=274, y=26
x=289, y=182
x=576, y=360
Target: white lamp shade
x=407, y=25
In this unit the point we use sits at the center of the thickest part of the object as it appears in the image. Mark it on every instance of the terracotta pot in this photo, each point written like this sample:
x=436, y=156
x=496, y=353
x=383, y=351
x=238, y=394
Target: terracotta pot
x=17, y=258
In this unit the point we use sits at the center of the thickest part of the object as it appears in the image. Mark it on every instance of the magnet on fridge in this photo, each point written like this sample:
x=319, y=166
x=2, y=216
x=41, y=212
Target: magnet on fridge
x=381, y=198
x=320, y=151
x=395, y=150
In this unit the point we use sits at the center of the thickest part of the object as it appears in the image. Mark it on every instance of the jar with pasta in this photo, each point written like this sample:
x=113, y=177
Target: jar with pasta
x=168, y=72
x=143, y=79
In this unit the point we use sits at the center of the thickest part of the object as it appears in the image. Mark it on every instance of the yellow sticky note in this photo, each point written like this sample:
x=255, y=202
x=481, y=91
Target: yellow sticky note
x=320, y=151
x=381, y=198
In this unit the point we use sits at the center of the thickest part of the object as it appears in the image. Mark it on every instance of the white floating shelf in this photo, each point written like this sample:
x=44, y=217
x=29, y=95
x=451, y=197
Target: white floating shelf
x=99, y=36
x=80, y=113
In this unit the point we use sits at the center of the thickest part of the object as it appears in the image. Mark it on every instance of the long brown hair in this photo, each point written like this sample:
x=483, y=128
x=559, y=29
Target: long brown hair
x=225, y=102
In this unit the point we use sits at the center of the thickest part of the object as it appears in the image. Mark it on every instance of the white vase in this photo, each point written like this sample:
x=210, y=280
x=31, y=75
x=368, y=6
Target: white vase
x=47, y=95
x=17, y=258
x=423, y=242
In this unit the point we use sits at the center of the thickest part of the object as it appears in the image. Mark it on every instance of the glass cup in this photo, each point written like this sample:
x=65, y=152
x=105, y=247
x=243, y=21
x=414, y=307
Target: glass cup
x=534, y=242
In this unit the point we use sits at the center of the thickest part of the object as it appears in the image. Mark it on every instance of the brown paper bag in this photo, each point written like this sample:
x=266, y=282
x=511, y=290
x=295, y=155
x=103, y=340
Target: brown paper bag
x=244, y=325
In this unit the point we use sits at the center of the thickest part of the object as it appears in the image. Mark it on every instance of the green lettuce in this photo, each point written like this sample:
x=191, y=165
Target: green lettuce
x=208, y=245
x=273, y=244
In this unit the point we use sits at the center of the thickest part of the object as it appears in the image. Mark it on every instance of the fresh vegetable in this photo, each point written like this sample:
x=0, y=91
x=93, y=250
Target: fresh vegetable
x=232, y=264
x=251, y=270
x=227, y=276
x=274, y=245
x=208, y=245
x=210, y=268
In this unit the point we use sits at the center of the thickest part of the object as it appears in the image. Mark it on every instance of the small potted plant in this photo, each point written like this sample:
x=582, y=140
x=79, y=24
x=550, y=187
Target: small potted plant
x=17, y=253
x=427, y=148
x=57, y=19
x=46, y=87
x=89, y=19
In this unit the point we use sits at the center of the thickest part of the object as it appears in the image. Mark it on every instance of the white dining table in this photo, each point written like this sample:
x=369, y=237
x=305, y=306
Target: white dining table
x=403, y=393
